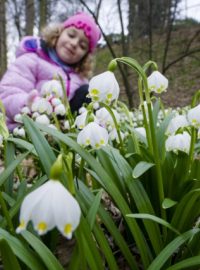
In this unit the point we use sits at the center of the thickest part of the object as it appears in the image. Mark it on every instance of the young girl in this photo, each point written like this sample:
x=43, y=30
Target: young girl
x=63, y=50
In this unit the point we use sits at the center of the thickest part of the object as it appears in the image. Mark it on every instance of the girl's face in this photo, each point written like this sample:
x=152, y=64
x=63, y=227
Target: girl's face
x=72, y=45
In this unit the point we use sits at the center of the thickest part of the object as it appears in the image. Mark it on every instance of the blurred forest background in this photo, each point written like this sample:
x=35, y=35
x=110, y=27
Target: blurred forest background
x=142, y=29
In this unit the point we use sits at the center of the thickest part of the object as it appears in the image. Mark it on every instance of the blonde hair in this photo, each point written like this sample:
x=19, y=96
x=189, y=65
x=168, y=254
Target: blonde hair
x=50, y=35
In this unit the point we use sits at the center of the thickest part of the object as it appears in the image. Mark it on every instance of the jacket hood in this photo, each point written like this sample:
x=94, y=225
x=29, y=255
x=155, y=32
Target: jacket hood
x=29, y=44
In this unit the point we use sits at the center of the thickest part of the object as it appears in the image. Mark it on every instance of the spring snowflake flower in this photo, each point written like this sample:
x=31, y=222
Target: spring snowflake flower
x=178, y=142
x=52, y=87
x=18, y=118
x=104, y=87
x=141, y=131
x=105, y=119
x=25, y=110
x=176, y=123
x=194, y=116
x=93, y=135
x=19, y=132
x=157, y=82
x=60, y=110
x=42, y=119
x=49, y=206
x=80, y=120
x=41, y=105
x=114, y=136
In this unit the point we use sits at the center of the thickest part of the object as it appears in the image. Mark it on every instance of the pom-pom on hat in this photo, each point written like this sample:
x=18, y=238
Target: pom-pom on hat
x=85, y=22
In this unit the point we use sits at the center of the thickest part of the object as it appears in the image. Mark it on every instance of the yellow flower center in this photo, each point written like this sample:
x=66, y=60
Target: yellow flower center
x=22, y=224
x=42, y=226
x=94, y=92
x=68, y=229
x=102, y=142
x=109, y=96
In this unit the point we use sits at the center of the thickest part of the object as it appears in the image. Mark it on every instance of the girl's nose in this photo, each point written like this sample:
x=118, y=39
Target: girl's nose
x=74, y=42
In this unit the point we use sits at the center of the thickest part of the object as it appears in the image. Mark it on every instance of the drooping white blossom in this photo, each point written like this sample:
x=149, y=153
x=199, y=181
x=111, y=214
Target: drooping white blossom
x=104, y=87
x=94, y=135
x=105, y=119
x=19, y=131
x=113, y=135
x=157, y=82
x=178, y=142
x=194, y=116
x=42, y=119
x=49, y=206
x=52, y=87
x=60, y=110
x=18, y=118
x=176, y=123
x=41, y=105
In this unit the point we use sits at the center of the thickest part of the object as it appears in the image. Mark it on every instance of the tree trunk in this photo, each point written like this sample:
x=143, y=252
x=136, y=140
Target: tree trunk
x=3, y=47
x=43, y=13
x=30, y=14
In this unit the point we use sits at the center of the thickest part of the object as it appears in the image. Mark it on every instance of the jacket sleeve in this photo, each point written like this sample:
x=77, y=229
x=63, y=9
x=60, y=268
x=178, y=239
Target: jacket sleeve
x=17, y=82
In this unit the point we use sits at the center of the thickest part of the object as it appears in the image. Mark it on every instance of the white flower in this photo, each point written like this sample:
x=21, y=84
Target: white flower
x=52, y=87
x=114, y=136
x=104, y=87
x=60, y=110
x=178, y=142
x=141, y=131
x=80, y=120
x=93, y=135
x=49, y=206
x=194, y=116
x=41, y=105
x=96, y=105
x=55, y=101
x=82, y=110
x=157, y=82
x=25, y=110
x=42, y=119
x=177, y=122
x=105, y=119
x=18, y=118
x=19, y=132
x=66, y=125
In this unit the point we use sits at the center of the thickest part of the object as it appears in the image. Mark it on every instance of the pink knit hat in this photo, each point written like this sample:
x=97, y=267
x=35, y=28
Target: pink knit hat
x=85, y=22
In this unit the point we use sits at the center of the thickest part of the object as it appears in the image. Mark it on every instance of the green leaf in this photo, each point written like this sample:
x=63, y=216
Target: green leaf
x=94, y=208
x=168, y=203
x=10, y=169
x=44, y=253
x=186, y=263
x=154, y=218
x=9, y=259
x=141, y=168
x=44, y=150
x=24, y=144
x=168, y=251
x=22, y=251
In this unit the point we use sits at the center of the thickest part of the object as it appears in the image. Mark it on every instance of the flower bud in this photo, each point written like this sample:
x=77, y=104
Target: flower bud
x=56, y=169
x=112, y=65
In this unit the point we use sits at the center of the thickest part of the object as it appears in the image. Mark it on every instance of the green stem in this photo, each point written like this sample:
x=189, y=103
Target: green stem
x=116, y=125
x=191, y=152
x=157, y=161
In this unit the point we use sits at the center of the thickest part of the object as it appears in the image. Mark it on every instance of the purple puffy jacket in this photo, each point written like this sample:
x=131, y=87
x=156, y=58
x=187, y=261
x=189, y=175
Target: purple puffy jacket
x=30, y=70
